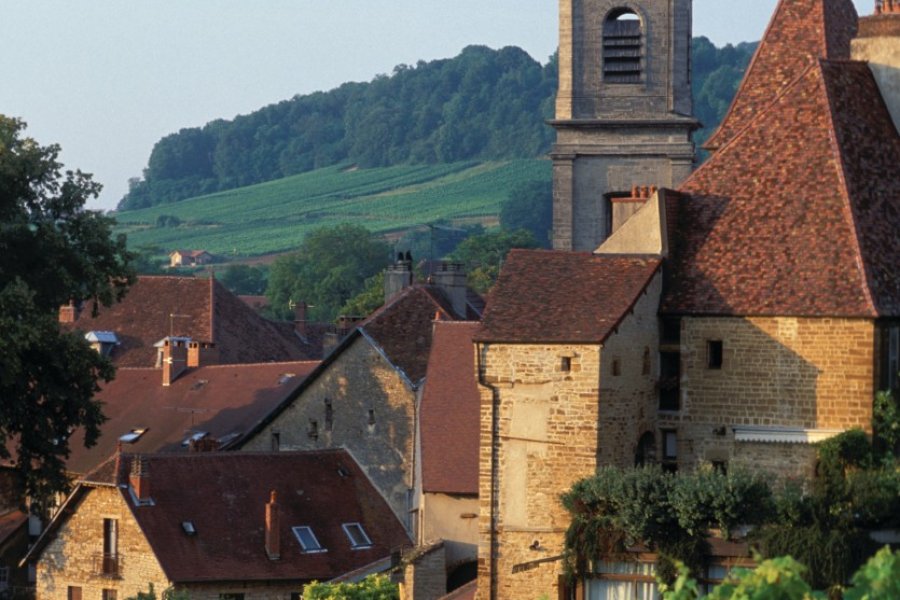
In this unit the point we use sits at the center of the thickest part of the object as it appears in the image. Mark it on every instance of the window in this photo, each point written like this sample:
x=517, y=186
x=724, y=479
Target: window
x=276, y=441
x=307, y=539
x=313, y=430
x=132, y=436
x=622, y=581
x=329, y=415
x=371, y=417
x=4, y=578
x=646, y=451
x=358, y=537
x=74, y=593
x=622, y=45
x=670, y=450
x=645, y=366
x=616, y=367
x=231, y=596
x=714, y=354
x=669, y=381
x=109, y=594
x=566, y=364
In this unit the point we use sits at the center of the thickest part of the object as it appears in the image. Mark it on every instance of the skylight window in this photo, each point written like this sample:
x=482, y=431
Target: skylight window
x=132, y=436
x=188, y=527
x=195, y=436
x=308, y=540
x=285, y=377
x=358, y=538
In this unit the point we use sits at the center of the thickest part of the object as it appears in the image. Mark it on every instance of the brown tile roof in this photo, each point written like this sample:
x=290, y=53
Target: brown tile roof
x=10, y=523
x=224, y=495
x=402, y=328
x=797, y=215
x=223, y=401
x=563, y=297
x=800, y=32
x=450, y=412
x=203, y=310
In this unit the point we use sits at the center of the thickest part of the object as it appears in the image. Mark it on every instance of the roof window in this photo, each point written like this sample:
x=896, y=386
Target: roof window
x=307, y=539
x=358, y=538
x=194, y=436
x=133, y=436
x=285, y=378
x=188, y=527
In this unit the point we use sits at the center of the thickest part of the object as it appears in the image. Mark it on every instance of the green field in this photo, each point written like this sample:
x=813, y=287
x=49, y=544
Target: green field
x=275, y=216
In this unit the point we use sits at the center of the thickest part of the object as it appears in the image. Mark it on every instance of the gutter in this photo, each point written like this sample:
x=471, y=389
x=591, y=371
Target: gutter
x=481, y=350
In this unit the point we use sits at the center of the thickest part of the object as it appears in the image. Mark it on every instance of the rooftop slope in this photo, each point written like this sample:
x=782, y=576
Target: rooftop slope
x=800, y=32
x=563, y=297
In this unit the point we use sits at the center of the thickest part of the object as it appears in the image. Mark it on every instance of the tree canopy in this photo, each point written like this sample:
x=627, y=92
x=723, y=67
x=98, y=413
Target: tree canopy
x=529, y=206
x=52, y=251
x=331, y=267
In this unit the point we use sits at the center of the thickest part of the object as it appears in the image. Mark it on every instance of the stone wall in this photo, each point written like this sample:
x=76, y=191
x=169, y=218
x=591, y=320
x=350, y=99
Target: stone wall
x=72, y=557
x=453, y=519
x=424, y=576
x=776, y=372
x=553, y=427
x=371, y=414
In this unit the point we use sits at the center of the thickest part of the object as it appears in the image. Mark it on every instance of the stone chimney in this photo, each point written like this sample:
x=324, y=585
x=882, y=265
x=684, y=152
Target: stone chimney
x=878, y=43
x=174, y=360
x=273, y=539
x=451, y=279
x=139, y=478
x=398, y=276
x=301, y=322
x=623, y=207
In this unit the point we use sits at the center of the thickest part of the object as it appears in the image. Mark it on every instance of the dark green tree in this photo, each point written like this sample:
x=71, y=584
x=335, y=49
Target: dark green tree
x=244, y=279
x=484, y=254
x=529, y=206
x=52, y=251
x=331, y=266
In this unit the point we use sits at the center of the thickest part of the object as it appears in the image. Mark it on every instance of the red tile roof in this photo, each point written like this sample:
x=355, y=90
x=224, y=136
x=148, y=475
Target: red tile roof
x=800, y=32
x=202, y=309
x=224, y=495
x=223, y=401
x=563, y=297
x=450, y=412
x=797, y=215
x=10, y=523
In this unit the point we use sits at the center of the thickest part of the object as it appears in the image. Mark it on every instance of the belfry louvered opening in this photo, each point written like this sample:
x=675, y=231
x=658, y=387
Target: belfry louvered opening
x=622, y=47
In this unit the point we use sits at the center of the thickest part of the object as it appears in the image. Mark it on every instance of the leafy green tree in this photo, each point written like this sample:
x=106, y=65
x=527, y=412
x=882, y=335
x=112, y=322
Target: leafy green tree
x=168, y=594
x=331, y=266
x=373, y=587
x=149, y=260
x=244, y=279
x=52, y=251
x=368, y=300
x=484, y=254
x=529, y=206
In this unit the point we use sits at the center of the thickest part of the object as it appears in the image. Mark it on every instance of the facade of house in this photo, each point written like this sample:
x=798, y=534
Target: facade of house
x=733, y=321
x=189, y=258
x=217, y=525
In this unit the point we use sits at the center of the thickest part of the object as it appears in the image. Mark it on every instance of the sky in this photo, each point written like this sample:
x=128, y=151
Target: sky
x=106, y=79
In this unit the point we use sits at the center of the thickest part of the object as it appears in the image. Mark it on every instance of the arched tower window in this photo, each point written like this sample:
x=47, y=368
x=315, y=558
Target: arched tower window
x=646, y=450
x=622, y=44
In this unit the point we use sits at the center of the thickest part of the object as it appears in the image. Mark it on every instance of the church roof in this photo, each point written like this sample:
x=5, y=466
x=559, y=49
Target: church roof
x=800, y=32
x=563, y=297
x=798, y=213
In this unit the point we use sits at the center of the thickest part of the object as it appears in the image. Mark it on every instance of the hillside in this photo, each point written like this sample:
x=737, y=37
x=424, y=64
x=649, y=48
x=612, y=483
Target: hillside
x=483, y=105
x=275, y=216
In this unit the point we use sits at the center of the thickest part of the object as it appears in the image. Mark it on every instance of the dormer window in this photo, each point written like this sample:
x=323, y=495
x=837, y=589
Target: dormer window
x=357, y=535
x=307, y=539
x=622, y=47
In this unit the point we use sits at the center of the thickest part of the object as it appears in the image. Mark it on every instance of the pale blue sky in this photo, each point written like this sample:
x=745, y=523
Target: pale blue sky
x=107, y=78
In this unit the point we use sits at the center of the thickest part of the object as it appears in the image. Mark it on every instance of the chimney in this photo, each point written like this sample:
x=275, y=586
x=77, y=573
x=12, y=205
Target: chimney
x=623, y=207
x=200, y=354
x=140, y=478
x=300, y=318
x=273, y=541
x=174, y=361
x=398, y=276
x=451, y=279
x=68, y=313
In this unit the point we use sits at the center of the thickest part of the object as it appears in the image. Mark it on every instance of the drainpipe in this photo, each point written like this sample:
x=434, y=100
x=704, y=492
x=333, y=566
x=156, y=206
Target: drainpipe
x=495, y=456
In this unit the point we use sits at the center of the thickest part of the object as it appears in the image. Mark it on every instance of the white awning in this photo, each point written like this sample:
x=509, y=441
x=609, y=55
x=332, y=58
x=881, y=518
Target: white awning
x=783, y=435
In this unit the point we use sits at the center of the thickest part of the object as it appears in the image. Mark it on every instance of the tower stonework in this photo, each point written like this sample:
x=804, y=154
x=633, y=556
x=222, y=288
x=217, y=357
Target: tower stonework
x=623, y=109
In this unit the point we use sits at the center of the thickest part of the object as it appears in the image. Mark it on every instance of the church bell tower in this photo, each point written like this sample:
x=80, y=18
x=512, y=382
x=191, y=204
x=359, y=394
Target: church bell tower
x=623, y=110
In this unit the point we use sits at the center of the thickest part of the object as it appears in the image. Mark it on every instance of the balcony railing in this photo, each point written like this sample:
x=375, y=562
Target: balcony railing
x=108, y=565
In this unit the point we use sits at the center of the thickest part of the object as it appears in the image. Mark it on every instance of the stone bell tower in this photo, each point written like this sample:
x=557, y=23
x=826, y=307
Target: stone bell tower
x=623, y=109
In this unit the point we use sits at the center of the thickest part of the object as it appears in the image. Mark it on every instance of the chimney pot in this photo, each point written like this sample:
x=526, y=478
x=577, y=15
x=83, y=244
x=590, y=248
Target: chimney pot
x=273, y=540
x=140, y=478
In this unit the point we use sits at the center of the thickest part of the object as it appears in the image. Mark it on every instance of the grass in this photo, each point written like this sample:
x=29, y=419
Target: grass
x=275, y=216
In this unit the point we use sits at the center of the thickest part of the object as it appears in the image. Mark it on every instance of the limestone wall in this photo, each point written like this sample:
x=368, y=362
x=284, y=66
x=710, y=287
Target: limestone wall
x=452, y=519
x=361, y=387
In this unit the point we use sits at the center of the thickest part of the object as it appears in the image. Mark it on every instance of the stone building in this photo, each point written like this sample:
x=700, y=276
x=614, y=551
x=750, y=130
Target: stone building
x=769, y=321
x=230, y=525
x=623, y=109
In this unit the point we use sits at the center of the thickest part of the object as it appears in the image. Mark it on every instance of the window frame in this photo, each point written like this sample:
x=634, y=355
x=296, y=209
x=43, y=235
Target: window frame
x=307, y=529
x=358, y=526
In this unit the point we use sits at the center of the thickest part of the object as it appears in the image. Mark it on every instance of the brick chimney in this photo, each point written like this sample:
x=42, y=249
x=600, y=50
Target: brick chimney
x=68, y=313
x=451, y=279
x=301, y=321
x=623, y=207
x=398, y=276
x=139, y=478
x=201, y=353
x=273, y=540
x=174, y=361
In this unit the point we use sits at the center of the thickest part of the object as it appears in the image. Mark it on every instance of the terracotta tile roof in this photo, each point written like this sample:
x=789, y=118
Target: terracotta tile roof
x=402, y=327
x=797, y=215
x=450, y=412
x=203, y=310
x=10, y=523
x=800, y=32
x=223, y=401
x=223, y=494
x=563, y=297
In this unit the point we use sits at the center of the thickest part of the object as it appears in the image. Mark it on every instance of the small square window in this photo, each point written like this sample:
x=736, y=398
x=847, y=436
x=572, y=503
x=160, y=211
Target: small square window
x=714, y=354
x=307, y=539
x=357, y=535
x=74, y=593
x=616, y=367
x=109, y=594
x=565, y=364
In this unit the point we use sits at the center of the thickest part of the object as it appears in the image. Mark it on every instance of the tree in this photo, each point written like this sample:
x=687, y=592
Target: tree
x=529, y=206
x=368, y=300
x=52, y=251
x=373, y=587
x=331, y=266
x=244, y=280
x=484, y=254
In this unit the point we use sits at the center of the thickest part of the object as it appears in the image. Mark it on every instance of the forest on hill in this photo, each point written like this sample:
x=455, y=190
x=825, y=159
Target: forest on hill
x=482, y=105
